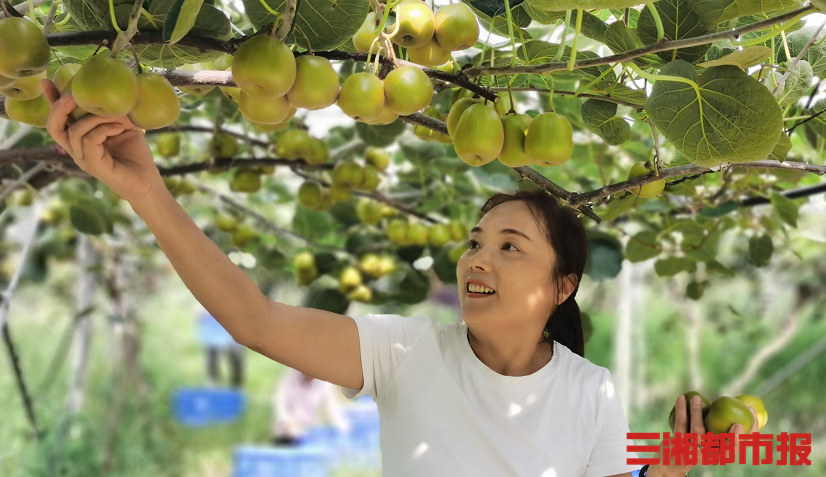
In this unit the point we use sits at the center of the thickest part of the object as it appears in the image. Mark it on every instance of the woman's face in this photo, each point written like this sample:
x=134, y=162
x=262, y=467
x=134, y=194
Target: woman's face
x=508, y=253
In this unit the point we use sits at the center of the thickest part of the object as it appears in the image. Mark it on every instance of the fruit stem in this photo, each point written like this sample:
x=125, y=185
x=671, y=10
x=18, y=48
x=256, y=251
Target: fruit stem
x=572, y=58
x=561, y=50
x=385, y=16
x=137, y=61
x=510, y=32
x=551, y=94
x=657, y=21
x=111, y=14
x=510, y=94
x=65, y=20
x=271, y=11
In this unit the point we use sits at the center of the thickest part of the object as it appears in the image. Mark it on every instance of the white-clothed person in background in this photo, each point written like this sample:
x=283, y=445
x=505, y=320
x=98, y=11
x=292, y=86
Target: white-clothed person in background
x=301, y=402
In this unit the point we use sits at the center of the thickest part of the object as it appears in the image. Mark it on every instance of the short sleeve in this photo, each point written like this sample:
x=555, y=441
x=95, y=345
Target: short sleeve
x=384, y=341
x=610, y=453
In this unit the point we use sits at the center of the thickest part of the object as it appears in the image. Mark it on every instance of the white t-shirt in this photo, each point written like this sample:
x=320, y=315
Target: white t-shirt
x=445, y=413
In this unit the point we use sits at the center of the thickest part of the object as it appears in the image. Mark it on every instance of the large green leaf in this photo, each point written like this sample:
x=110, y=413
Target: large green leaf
x=319, y=24
x=679, y=22
x=210, y=23
x=620, y=38
x=601, y=117
x=713, y=12
x=94, y=14
x=735, y=118
x=563, y=5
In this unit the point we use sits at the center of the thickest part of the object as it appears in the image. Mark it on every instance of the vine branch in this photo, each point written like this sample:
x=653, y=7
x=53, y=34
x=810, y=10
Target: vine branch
x=655, y=47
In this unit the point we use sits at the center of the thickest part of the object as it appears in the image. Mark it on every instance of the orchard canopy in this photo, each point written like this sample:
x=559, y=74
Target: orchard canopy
x=348, y=144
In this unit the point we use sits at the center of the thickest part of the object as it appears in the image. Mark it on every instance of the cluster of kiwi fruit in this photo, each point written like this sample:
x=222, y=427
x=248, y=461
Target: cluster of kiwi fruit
x=242, y=233
x=347, y=176
x=101, y=85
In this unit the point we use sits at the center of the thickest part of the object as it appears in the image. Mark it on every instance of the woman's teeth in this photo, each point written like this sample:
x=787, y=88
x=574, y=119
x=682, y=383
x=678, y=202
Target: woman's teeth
x=473, y=288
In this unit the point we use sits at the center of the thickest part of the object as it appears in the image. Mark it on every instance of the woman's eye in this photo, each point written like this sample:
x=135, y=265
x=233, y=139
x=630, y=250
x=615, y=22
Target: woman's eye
x=471, y=243
x=508, y=244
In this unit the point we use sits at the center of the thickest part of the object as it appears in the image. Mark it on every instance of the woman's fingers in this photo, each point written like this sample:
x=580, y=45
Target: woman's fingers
x=697, y=425
x=680, y=415
x=93, y=141
x=59, y=114
x=79, y=129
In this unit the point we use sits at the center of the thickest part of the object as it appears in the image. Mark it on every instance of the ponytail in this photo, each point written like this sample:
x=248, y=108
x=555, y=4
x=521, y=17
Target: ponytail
x=565, y=326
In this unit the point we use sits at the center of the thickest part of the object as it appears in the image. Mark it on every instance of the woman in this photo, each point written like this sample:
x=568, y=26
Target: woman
x=507, y=393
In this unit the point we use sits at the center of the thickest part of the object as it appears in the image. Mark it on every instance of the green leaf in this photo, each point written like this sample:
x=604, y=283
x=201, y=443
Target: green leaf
x=592, y=26
x=713, y=12
x=601, y=117
x=620, y=38
x=312, y=223
x=761, y=249
x=319, y=24
x=721, y=210
x=785, y=208
x=414, y=288
x=642, y=247
x=209, y=23
x=563, y=5
x=716, y=267
x=679, y=23
x=604, y=256
x=815, y=55
x=381, y=135
x=444, y=268
x=537, y=52
x=542, y=16
x=745, y=58
x=694, y=290
x=180, y=19
x=796, y=85
x=740, y=119
x=327, y=299
x=88, y=219
x=782, y=148
x=617, y=207
x=668, y=267
x=492, y=8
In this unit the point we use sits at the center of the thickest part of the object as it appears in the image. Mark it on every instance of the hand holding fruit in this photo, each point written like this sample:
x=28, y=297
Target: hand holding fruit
x=112, y=150
x=695, y=414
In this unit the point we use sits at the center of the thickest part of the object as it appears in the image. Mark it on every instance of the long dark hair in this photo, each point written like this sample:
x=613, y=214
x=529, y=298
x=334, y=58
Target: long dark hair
x=567, y=237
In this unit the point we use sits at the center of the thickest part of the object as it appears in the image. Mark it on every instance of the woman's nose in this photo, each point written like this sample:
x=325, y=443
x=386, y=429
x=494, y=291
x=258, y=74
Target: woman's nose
x=479, y=260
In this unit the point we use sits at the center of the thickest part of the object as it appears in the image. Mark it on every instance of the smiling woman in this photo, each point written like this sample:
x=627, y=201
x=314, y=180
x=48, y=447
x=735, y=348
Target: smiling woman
x=508, y=391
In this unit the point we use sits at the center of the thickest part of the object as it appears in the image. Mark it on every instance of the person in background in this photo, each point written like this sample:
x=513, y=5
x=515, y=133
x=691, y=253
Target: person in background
x=217, y=341
x=301, y=402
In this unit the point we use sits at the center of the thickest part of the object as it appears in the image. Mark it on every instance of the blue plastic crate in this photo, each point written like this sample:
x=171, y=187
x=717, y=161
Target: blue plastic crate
x=363, y=446
x=199, y=407
x=300, y=461
x=324, y=436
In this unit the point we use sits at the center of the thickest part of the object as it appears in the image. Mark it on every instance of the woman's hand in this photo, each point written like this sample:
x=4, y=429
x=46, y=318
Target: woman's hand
x=695, y=426
x=112, y=150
